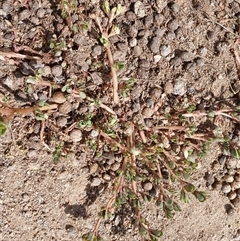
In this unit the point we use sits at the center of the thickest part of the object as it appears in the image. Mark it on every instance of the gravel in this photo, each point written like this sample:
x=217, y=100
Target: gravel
x=179, y=88
x=58, y=97
x=57, y=70
x=76, y=135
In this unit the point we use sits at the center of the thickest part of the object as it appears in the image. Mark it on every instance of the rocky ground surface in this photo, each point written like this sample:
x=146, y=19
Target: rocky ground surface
x=185, y=51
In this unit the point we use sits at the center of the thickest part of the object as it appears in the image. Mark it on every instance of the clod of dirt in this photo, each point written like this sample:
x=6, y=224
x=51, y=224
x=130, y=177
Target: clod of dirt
x=24, y=14
x=155, y=45
x=173, y=24
x=147, y=112
x=186, y=56
x=58, y=97
x=57, y=70
x=97, y=50
x=97, y=79
x=132, y=32
x=46, y=71
x=94, y=168
x=115, y=166
x=137, y=51
x=231, y=163
x=155, y=93
x=168, y=88
x=76, y=135
x=65, y=108
x=62, y=121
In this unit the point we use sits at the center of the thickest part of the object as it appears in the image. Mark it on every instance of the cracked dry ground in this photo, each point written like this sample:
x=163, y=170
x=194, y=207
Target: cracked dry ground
x=183, y=50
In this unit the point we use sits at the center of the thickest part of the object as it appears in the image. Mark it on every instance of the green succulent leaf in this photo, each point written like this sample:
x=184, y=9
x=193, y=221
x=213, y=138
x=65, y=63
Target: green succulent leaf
x=235, y=153
x=104, y=40
x=106, y=7
x=176, y=207
x=190, y=187
x=3, y=127
x=156, y=233
x=184, y=197
x=201, y=196
x=142, y=230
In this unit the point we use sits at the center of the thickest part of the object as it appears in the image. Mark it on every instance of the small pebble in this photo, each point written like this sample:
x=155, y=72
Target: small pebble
x=228, y=178
x=236, y=202
x=132, y=42
x=174, y=7
x=155, y=45
x=231, y=163
x=46, y=71
x=24, y=14
x=97, y=50
x=149, y=102
x=155, y=93
x=132, y=32
x=94, y=133
x=179, y=88
x=168, y=88
x=144, y=64
x=65, y=108
x=115, y=166
x=235, y=185
x=147, y=186
x=170, y=36
x=232, y=195
x=76, y=135
x=57, y=70
x=156, y=58
x=106, y=177
x=58, y=97
x=173, y=24
x=226, y=188
x=95, y=182
x=62, y=121
x=117, y=220
x=200, y=62
x=202, y=51
x=186, y=56
x=139, y=9
x=122, y=47
x=176, y=61
x=165, y=50
x=147, y=112
x=137, y=51
x=41, y=12
x=93, y=168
